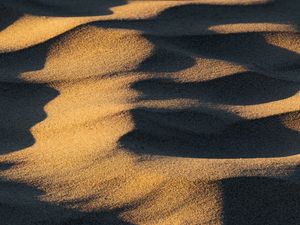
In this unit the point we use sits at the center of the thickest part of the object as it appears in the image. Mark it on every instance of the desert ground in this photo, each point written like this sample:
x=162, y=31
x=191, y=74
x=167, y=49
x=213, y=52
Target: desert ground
x=150, y=112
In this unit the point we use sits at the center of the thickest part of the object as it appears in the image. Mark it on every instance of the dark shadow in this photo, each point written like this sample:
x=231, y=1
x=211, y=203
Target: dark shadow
x=260, y=201
x=12, y=10
x=295, y=175
x=19, y=203
x=192, y=132
x=22, y=102
x=22, y=107
x=270, y=11
x=203, y=16
x=248, y=49
x=246, y=88
x=188, y=136
x=175, y=28
x=168, y=132
x=7, y=17
x=65, y=8
x=165, y=60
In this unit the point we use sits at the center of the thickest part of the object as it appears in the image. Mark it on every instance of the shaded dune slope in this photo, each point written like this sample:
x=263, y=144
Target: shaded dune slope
x=149, y=112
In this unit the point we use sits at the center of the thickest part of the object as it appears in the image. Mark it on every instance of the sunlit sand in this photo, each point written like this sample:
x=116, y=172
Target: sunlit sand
x=150, y=112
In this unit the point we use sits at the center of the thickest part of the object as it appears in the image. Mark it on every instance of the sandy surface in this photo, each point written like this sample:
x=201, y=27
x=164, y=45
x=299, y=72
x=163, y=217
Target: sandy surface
x=150, y=112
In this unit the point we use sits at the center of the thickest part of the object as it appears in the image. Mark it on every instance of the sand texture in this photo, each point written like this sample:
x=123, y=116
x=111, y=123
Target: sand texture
x=149, y=112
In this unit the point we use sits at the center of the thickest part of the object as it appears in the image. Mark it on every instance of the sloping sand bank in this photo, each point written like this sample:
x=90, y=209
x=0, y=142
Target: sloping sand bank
x=150, y=112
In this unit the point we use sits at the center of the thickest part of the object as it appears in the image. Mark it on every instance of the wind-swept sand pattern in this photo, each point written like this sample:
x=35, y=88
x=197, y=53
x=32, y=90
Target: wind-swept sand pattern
x=150, y=112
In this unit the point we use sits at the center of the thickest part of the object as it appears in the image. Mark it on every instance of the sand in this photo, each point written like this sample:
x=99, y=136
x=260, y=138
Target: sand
x=150, y=112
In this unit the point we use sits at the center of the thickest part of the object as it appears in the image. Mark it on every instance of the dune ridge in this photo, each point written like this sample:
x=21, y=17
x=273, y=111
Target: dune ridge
x=149, y=112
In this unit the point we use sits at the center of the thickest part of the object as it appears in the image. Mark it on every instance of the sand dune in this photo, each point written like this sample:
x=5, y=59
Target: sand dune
x=149, y=112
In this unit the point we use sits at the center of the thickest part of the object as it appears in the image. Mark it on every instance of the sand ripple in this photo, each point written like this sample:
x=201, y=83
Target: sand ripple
x=149, y=112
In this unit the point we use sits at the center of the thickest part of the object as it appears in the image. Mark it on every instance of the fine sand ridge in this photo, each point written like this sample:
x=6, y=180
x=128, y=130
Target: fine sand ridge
x=149, y=112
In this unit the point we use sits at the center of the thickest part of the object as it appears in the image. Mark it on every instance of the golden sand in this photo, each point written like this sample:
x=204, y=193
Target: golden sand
x=149, y=112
